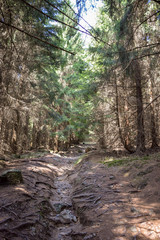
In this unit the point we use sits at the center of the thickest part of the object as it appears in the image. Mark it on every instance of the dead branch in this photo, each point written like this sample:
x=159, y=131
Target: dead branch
x=145, y=20
x=151, y=102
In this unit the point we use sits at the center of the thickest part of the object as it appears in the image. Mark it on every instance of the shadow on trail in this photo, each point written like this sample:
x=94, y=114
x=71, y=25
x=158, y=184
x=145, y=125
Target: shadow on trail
x=109, y=204
x=63, y=201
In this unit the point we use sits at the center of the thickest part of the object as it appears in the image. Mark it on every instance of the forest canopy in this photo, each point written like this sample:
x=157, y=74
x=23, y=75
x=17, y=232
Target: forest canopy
x=54, y=92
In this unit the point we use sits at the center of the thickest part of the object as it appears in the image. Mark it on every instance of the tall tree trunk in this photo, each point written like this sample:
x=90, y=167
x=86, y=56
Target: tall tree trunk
x=34, y=136
x=56, y=143
x=2, y=131
x=26, y=132
x=125, y=141
x=153, y=122
x=19, y=132
x=140, y=118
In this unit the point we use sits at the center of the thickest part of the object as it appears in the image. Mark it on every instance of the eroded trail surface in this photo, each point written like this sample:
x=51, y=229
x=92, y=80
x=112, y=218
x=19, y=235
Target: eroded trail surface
x=61, y=200
x=41, y=207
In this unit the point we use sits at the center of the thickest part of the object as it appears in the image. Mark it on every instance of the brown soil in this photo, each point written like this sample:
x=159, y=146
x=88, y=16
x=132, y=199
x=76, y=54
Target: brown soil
x=61, y=200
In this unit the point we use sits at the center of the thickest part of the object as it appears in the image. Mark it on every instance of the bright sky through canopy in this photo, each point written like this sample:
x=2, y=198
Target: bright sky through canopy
x=90, y=16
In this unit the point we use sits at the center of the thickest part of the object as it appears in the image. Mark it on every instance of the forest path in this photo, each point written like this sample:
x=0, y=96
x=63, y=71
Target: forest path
x=62, y=200
x=40, y=207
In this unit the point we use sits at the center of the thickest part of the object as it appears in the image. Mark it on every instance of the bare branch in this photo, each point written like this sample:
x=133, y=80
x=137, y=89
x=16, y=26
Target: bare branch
x=145, y=20
x=151, y=102
x=136, y=48
x=133, y=59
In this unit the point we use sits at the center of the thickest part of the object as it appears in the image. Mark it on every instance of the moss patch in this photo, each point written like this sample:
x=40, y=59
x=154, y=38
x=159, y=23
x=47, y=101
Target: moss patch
x=111, y=162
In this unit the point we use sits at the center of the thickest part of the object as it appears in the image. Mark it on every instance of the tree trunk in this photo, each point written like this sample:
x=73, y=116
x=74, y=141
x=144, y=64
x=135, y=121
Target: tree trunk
x=153, y=122
x=34, y=136
x=140, y=118
x=125, y=141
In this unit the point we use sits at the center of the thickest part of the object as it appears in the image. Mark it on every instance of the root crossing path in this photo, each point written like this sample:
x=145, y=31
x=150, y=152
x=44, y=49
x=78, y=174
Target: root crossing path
x=41, y=207
x=61, y=200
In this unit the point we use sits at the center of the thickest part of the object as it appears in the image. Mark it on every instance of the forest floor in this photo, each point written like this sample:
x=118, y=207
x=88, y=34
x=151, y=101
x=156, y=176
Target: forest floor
x=77, y=196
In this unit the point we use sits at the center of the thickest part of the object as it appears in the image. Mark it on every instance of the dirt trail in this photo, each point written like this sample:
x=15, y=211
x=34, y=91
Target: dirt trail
x=41, y=207
x=88, y=201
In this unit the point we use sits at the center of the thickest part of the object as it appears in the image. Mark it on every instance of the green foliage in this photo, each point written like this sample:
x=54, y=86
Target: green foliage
x=112, y=162
x=68, y=87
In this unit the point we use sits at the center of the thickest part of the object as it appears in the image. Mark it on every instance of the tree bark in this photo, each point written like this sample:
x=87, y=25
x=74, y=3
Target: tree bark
x=153, y=122
x=140, y=118
x=125, y=141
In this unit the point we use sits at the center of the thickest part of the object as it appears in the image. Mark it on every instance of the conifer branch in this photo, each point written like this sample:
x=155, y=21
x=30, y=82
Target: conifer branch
x=95, y=37
x=35, y=37
x=63, y=13
x=54, y=19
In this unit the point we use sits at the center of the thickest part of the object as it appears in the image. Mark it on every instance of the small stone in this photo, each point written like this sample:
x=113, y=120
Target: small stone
x=112, y=177
x=33, y=231
x=151, y=212
x=58, y=207
x=134, y=229
x=65, y=217
x=142, y=184
x=133, y=209
x=90, y=236
x=121, y=230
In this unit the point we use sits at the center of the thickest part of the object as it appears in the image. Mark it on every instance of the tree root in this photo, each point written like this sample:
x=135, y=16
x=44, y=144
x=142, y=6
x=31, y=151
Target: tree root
x=45, y=183
x=23, y=225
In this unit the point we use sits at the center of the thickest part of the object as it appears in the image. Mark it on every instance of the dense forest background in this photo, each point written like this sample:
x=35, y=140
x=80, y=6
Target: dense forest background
x=55, y=92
